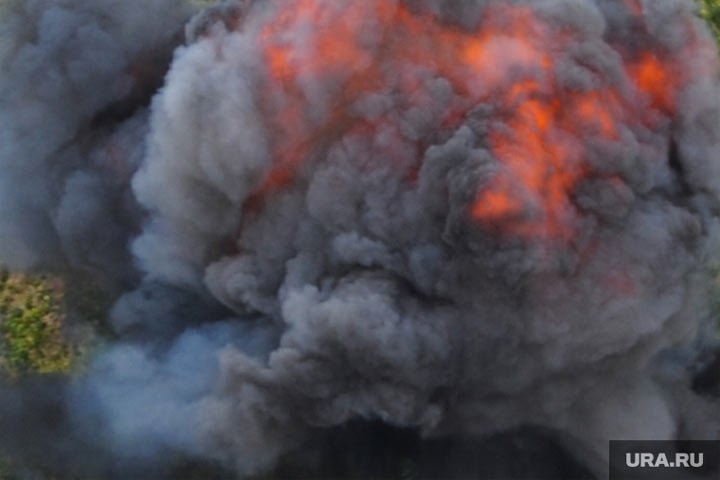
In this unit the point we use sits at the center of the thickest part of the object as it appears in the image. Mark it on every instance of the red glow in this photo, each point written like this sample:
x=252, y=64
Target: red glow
x=656, y=80
x=635, y=6
x=508, y=62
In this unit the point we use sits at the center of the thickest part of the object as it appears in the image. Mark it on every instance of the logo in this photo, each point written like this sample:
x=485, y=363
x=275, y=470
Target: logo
x=664, y=460
x=646, y=459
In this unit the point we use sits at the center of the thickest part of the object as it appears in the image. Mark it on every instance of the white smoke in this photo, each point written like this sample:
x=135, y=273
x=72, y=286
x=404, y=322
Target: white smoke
x=352, y=292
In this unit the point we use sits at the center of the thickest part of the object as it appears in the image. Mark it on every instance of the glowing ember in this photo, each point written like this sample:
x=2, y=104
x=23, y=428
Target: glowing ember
x=358, y=48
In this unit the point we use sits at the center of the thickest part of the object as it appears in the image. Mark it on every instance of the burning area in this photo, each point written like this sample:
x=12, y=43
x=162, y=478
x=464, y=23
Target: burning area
x=466, y=219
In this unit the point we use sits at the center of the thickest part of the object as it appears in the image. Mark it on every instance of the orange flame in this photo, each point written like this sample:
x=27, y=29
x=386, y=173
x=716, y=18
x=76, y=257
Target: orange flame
x=351, y=49
x=656, y=80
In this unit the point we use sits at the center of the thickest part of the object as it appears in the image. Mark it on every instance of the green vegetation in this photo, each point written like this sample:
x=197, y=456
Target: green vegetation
x=34, y=313
x=31, y=326
x=710, y=10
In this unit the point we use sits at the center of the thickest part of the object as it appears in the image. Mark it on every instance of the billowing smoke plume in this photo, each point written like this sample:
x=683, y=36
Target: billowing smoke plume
x=460, y=216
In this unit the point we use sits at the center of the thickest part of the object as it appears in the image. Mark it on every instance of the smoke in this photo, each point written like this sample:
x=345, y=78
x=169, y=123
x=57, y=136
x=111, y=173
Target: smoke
x=74, y=80
x=461, y=217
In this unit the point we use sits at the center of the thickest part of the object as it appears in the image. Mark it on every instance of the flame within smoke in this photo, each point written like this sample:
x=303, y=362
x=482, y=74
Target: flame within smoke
x=462, y=216
x=507, y=61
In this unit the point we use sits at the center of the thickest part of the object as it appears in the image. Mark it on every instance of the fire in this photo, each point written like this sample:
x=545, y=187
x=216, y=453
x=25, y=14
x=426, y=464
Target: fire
x=656, y=80
x=341, y=52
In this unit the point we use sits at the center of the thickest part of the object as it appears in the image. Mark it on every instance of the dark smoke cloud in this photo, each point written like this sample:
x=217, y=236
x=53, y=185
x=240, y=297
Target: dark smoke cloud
x=74, y=78
x=351, y=293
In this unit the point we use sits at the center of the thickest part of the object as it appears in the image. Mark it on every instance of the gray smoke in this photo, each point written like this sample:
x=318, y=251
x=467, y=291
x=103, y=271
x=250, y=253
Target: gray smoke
x=74, y=78
x=362, y=286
